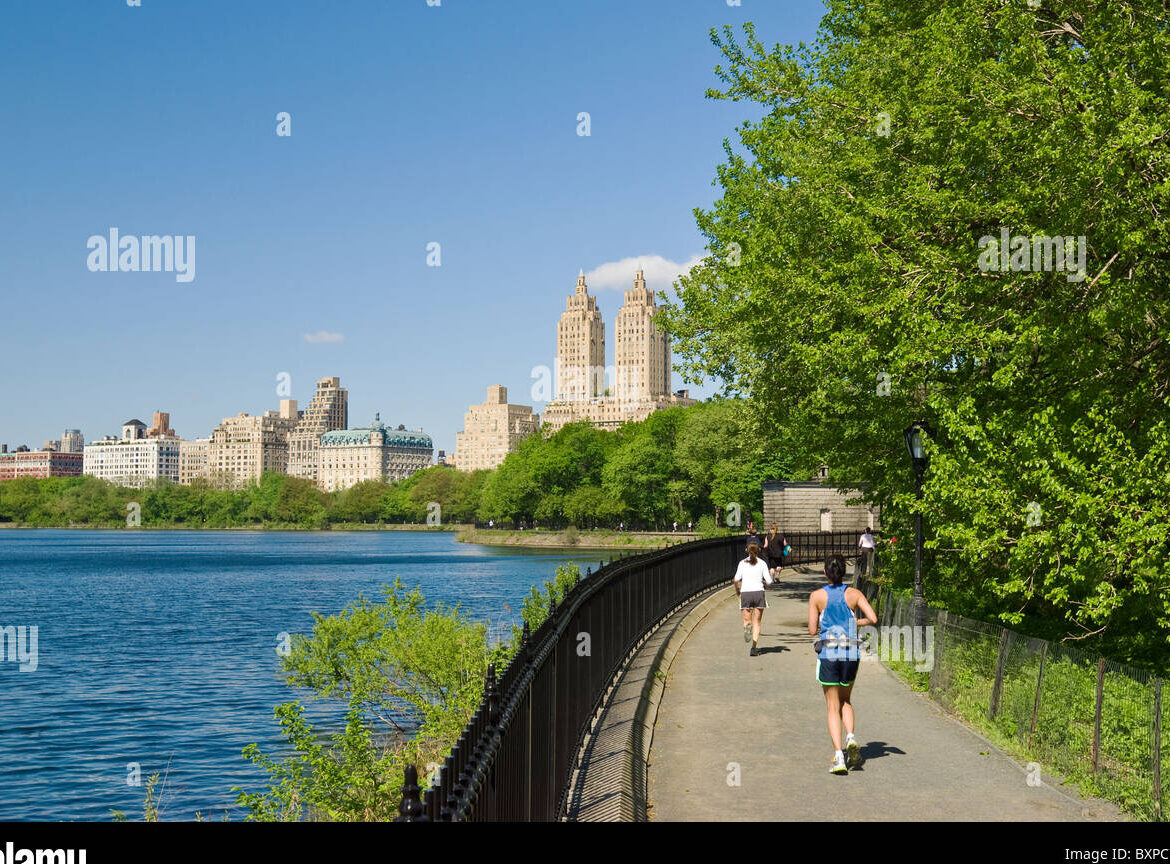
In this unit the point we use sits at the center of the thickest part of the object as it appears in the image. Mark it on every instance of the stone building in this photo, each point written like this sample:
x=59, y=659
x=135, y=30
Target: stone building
x=817, y=505
x=642, y=348
x=133, y=460
x=580, y=346
x=160, y=426
x=40, y=463
x=328, y=410
x=346, y=457
x=640, y=378
x=608, y=413
x=72, y=441
x=243, y=447
x=193, y=463
x=491, y=431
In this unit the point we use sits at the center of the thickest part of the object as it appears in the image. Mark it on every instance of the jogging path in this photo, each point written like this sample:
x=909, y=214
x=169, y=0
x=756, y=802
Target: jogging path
x=725, y=717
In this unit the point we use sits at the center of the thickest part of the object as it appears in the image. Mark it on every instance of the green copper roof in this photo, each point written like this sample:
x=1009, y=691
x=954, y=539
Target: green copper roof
x=394, y=437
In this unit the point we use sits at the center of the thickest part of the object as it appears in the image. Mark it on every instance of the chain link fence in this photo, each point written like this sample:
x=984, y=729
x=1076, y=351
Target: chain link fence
x=1083, y=718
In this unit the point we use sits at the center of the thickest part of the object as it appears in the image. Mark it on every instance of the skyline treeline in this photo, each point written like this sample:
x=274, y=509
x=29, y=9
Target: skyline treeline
x=679, y=464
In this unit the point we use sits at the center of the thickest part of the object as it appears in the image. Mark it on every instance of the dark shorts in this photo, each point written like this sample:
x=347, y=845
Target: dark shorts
x=752, y=600
x=838, y=673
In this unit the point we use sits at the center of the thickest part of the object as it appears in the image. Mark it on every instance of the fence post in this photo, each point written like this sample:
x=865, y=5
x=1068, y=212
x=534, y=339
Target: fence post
x=411, y=808
x=1005, y=639
x=1097, y=713
x=1039, y=685
x=940, y=638
x=1158, y=749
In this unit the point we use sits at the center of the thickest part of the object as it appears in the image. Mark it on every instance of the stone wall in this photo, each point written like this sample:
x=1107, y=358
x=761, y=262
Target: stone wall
x=814, y=506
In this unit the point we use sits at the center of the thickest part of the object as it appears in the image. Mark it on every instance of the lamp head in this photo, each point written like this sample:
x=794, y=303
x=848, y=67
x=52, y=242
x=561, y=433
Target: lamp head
x=915, y=445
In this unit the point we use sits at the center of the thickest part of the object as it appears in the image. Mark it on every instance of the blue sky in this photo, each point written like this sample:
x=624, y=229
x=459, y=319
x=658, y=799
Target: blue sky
x=410, y=124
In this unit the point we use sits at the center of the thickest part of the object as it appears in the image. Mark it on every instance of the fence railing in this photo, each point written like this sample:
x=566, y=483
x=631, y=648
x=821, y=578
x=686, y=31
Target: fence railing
x=515, y=759
x=1077, y=715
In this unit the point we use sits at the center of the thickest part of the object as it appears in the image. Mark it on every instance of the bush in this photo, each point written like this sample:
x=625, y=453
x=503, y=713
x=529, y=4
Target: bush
x=707, y=527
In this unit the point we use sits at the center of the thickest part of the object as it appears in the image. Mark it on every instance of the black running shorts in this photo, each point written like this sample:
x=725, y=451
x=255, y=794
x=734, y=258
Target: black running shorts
x=838, y=673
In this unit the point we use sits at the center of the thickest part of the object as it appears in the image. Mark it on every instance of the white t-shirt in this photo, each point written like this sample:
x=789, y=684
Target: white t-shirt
x=752, y=577
x=866, y=541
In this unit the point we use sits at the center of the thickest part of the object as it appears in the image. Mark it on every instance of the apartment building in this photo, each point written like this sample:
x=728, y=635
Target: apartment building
x=346, y=457
x=328, y=410
x=243, y=447
x=40, y=463
x=193, y=464
x=491, y=431
x=132, y=460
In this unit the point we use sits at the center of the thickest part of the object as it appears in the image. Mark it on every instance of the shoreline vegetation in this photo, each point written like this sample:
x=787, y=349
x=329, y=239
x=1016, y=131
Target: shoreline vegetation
x=568, y=538
x=642, y=541
x=579, y=483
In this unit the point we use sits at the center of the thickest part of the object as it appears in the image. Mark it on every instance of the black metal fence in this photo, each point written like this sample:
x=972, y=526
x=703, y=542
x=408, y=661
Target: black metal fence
x=1077, y=715
x=515, y=759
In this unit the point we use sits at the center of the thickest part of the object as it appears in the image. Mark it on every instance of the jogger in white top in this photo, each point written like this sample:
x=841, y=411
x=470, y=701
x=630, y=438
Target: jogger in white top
x=751, y=576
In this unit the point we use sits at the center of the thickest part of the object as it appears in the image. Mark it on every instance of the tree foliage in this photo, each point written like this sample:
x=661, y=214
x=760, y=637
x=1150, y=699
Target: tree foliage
x=855, y=210
x=411, y=678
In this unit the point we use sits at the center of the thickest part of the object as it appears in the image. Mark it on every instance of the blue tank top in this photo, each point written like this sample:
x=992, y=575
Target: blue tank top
x=838, y=627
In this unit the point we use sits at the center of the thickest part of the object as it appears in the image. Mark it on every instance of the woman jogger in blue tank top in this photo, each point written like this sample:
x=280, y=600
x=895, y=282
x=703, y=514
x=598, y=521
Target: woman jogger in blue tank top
x=832, y=618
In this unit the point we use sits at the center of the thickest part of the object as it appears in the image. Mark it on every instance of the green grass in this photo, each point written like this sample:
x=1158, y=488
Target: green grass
x=1063, y=737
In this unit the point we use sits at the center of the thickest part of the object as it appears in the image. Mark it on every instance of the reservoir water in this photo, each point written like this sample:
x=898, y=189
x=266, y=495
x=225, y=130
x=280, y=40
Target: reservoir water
x=158, y=649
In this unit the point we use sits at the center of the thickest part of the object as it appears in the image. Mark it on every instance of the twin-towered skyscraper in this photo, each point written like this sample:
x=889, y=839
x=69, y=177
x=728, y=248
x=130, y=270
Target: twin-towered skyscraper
x=639, y=381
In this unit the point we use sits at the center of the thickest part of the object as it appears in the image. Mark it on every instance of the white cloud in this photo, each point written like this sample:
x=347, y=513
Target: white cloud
x=323, y=336
x=660, y=273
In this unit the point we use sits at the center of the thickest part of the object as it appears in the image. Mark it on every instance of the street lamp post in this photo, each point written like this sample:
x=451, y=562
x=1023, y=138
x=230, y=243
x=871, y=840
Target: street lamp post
x=915, y=445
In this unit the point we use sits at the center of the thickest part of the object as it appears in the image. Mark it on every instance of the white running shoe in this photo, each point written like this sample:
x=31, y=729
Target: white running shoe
x=838, y=766
x=852, y=752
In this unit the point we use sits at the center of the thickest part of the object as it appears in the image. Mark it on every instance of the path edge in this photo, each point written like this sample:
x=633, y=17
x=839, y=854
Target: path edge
x=637, y=738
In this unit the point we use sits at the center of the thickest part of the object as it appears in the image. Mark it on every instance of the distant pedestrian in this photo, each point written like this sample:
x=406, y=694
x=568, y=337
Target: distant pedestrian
x=690, y=527
x=750, y=578
x=866, y=545
x=832, y=618
x=621, y=526
x=774, y=545
x=675, y=529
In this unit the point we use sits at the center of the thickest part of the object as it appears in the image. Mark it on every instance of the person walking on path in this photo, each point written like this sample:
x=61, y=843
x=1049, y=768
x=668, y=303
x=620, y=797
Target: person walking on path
x=750, y=578
x=774, y=544
x=866, y=545
x=832, y=618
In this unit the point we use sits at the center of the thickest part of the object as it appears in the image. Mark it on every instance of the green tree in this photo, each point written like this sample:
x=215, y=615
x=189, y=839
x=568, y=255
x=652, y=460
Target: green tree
x=416, y=672
x=859, y=212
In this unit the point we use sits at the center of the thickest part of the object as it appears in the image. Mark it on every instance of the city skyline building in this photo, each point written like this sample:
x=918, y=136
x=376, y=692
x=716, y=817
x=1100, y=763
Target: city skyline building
x=642, y=352
x=580, y=372
x=160, y=426
x=40, y=464
x=72, y=441
x=243, y=447
x=346, y=457
x=193, y=464
x=327, y=410
x=492, y=430
x=132, y=460
x=641, y=380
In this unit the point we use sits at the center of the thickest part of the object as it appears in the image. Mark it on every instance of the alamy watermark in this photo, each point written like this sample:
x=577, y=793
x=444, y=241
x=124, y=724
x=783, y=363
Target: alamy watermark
x=18, y=644
x=573, y=383
x=1037, y=253
x=894, y=644
x=150, y=252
